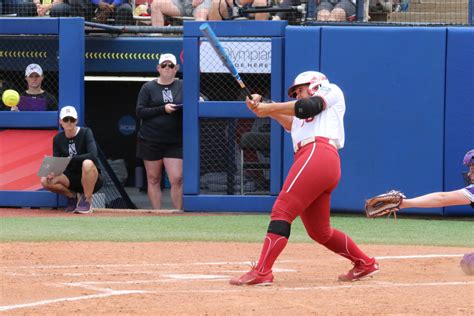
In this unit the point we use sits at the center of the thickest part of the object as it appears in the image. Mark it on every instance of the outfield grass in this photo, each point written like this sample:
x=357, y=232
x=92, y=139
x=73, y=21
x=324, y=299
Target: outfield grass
x=231, y=228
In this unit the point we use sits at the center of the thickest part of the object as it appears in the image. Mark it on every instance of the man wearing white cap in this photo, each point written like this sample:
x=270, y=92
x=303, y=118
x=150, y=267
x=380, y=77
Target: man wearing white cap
x=160, y=137
x=82, y=177
x=34, y=78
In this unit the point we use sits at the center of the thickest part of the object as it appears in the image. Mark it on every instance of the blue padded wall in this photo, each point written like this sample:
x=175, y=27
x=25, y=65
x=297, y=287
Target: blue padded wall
x=71, y=92
x=459, y=133
x=393, y=80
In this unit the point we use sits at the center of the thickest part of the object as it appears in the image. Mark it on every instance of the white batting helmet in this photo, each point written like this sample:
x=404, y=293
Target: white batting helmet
x=313, y=78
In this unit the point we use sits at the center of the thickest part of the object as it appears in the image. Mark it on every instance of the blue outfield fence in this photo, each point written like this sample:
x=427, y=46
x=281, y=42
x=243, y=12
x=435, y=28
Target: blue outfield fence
x=408, y=92
x=70, y=32
x=404, y=128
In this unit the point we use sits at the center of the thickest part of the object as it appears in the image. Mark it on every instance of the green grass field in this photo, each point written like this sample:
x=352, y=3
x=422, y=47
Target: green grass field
x=232, y=228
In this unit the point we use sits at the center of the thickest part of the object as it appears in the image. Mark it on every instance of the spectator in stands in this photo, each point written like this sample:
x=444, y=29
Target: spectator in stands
x=142, y=8
x=336, y=10
x=199, y=9
x=120, y=10
x=82, y=176
x=65, y=8
x=223, y=9
x=35, y=93
x=160, y=137
x=290, y=16
x=388, y=5
x=35, y=7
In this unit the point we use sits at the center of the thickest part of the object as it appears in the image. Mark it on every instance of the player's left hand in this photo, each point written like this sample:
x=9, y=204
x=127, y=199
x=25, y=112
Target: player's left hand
x=383, y=204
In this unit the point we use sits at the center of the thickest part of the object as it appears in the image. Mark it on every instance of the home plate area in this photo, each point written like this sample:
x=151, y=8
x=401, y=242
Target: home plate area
x=193, y=278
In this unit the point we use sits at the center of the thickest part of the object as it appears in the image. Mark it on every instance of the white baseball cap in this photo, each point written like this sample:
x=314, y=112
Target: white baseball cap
x=33, y=68
x=68, y=111
x=167, y=57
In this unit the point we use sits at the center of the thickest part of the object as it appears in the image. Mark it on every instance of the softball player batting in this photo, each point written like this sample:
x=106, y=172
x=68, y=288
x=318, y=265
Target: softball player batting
x=315, y=120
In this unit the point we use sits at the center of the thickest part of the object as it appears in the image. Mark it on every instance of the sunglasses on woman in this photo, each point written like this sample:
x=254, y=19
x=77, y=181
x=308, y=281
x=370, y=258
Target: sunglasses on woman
x=68, y=119
x=169, y=65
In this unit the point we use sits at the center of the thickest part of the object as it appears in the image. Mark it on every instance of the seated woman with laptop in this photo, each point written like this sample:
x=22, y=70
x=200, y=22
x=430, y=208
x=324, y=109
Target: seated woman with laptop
x=35, y=98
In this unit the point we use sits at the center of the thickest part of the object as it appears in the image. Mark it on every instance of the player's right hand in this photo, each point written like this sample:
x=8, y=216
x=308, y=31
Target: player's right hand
x=169, y=108
x=253, y=104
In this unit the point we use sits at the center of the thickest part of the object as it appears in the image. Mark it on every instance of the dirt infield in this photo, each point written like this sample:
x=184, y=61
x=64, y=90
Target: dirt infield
x=90, y=278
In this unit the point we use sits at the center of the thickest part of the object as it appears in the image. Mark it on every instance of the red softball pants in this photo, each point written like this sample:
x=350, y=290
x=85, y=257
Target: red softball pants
x=307, y=189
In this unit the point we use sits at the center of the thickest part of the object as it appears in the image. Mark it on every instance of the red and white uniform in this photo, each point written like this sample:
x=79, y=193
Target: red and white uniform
x=316, y=170
x=309, y=184
x=329, y=123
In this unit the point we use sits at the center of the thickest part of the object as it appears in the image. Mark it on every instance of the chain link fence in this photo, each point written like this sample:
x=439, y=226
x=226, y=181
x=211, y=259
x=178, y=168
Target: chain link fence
x=419, y=11
x=296, y=12
x=235, y=153
x=38, y=89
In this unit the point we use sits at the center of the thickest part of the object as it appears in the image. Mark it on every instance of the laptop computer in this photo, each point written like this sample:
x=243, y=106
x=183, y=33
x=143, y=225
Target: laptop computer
x=55, y=165
x=32, y=104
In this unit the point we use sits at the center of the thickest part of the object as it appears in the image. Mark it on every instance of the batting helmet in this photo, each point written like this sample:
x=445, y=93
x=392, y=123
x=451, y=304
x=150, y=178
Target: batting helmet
x=469, y=158
x=313, y=78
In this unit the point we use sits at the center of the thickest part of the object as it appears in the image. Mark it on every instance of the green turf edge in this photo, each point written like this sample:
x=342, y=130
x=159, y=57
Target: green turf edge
x=231, y=228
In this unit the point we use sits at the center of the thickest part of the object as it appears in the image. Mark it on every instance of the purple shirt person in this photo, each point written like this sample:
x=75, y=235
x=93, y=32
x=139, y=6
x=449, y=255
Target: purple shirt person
x=464, y=196
x=120, y=9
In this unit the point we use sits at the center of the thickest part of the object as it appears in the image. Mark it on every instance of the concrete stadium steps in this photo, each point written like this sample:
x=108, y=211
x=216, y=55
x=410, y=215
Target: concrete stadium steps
x=438, y=6
x=430, y=17
x=433, y=11
x=22, y=153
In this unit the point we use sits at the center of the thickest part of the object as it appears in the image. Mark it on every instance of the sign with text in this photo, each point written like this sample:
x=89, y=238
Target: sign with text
x=248, y=57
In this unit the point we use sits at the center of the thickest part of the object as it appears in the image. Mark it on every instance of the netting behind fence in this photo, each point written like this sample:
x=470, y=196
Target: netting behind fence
x=296, y=12
x=235, y=156
x=235, y=153
x=420, y=11
x=112, y=194
x=37, y=85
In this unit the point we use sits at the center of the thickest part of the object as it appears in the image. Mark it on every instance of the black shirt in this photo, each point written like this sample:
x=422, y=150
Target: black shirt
x=155, y=124
x=80, y=147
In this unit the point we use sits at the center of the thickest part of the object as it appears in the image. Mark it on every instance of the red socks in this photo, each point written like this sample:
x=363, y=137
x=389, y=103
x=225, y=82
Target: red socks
x=273, y=245
x=339, y=243
x=343, y=245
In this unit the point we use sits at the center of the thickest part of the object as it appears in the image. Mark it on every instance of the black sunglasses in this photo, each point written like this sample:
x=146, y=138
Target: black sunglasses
x=68, y=119
x=163, y=66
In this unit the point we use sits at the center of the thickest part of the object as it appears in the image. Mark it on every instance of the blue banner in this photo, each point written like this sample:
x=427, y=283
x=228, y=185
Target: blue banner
x=129, y=54
x=17, y=52
x=126, y=54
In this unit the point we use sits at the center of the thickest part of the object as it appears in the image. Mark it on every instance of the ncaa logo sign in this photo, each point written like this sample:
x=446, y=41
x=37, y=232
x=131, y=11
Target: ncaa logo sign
x=127, y=125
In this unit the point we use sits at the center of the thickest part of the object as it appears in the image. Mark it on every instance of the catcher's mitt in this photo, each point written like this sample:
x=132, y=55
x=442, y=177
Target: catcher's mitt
x=384, y=204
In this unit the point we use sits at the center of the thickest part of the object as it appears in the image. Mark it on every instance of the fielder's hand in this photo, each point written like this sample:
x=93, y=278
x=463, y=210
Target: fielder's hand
x=384, y=204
